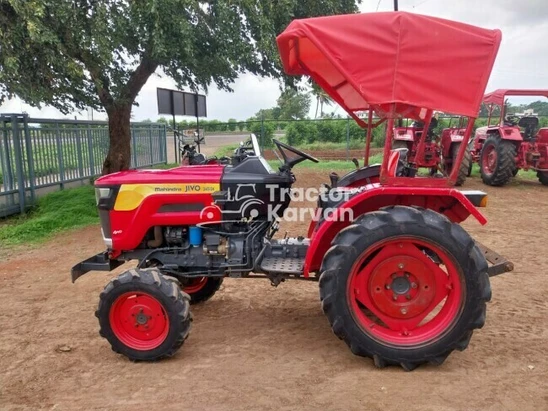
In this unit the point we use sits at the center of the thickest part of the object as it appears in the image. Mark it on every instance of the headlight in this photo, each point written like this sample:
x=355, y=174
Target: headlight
x=101, y=193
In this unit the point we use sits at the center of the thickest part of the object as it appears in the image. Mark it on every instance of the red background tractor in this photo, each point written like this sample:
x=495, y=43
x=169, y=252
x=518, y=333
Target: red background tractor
x=432, y=152
x=400, y=280
x=512, y=144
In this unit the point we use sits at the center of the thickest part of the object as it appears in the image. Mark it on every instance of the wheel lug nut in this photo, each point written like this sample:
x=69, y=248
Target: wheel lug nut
x=394, y=297
x=407, y=275
x=387, y=286
x=403, y=311
x=400, y=266
x=408, y=296
x=413, y=285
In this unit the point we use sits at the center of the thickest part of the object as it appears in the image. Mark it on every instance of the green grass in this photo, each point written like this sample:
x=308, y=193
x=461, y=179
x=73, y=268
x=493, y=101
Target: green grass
x=353, y=145
x=53, y=213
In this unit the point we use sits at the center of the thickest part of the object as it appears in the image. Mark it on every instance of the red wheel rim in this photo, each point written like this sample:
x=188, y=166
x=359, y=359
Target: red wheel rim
x=400, y=296
x=193, y=285
x=139, y=321
x=489, y=159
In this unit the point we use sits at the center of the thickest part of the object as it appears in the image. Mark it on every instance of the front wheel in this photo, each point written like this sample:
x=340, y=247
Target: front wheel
x=404, y=286
x=144, y=315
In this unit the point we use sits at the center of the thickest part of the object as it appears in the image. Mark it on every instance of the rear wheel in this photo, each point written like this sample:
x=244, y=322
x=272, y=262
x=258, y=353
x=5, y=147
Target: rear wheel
x=543, y=177
x=201, y=288
x=497, y=161
x=465, y=168
x=404, y=286
x=143, y=315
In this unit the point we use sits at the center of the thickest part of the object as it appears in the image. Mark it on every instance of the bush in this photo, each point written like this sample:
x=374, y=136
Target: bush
x=299, y=132
x=232, y=124
x=264, y=133
x=329, y=131
x=282, y=125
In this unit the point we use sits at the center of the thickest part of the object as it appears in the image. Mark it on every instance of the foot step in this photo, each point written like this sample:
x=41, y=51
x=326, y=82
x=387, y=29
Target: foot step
x=283, y=265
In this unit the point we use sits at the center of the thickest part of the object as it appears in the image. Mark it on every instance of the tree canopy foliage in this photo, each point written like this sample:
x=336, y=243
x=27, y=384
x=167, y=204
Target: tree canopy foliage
x=292, y=104
x=91, y=53
x=539, y=107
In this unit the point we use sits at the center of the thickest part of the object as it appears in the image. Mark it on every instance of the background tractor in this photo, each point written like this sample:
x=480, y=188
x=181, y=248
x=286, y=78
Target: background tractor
x=436, y=153
x=400, y=280
x=515, y=142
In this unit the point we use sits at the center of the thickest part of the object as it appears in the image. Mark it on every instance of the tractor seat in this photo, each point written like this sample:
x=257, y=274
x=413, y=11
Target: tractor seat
x=529, y=125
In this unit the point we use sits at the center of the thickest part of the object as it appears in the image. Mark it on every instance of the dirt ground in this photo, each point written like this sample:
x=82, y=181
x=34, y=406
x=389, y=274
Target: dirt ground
x=256, y=347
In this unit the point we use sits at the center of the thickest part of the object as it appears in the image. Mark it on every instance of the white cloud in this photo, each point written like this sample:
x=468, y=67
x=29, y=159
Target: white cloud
x=521, y=63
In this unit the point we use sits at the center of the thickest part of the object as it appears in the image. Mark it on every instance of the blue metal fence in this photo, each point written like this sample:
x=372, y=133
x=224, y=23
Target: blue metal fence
x=40, y=153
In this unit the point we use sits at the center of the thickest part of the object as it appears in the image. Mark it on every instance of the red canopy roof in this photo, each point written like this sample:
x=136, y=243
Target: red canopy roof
x=497, y=96
x=376, y=59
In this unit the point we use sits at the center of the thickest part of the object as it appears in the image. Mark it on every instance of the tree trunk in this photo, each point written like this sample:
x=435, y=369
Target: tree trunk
x=119, y=151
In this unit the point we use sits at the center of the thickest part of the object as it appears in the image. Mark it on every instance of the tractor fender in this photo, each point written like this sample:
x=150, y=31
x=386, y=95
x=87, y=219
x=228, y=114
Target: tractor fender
x=454, y=204
x=542, y=136
x=510, y=133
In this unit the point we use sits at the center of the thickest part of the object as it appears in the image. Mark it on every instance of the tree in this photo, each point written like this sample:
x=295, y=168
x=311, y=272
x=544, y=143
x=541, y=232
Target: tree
x=321, y=98
x=232, y=123
x=89, y=53
x=293, y=104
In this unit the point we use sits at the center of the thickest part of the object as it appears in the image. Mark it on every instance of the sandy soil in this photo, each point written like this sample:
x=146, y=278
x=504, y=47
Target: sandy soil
x=257, y=347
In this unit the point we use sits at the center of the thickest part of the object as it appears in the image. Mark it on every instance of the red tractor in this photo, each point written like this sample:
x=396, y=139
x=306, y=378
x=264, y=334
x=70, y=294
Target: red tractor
x=432, y=152
x=515, y=142
x=400, y=280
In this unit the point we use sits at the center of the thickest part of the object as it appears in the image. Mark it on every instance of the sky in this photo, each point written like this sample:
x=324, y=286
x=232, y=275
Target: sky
x=521, y=62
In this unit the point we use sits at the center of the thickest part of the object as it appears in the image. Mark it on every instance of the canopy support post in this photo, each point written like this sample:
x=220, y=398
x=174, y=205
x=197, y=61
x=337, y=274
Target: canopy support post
x=387, y=144
x=368, y=139
x=424, y=135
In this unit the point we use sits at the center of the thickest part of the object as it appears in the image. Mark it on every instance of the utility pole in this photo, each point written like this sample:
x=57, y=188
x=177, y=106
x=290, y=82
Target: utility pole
x=395, y=5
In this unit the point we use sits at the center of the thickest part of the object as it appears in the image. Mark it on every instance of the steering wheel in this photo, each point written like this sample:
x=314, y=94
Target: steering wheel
x=302, y=156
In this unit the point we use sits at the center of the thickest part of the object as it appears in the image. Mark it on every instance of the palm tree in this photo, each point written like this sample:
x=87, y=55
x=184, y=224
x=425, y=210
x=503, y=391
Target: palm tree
x=321, y=98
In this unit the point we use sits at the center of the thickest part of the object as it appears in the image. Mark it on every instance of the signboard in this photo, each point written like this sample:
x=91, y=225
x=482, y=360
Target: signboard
x=180, y=103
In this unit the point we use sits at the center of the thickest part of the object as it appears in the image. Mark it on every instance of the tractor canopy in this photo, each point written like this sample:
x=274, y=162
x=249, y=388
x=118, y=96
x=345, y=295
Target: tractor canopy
x=395, y=62
x=497, y=97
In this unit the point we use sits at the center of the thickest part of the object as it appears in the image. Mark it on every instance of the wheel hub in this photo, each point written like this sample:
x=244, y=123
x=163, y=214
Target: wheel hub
x=139, y=320
x=489, y=160
x=401, y=285
x=405, y=291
